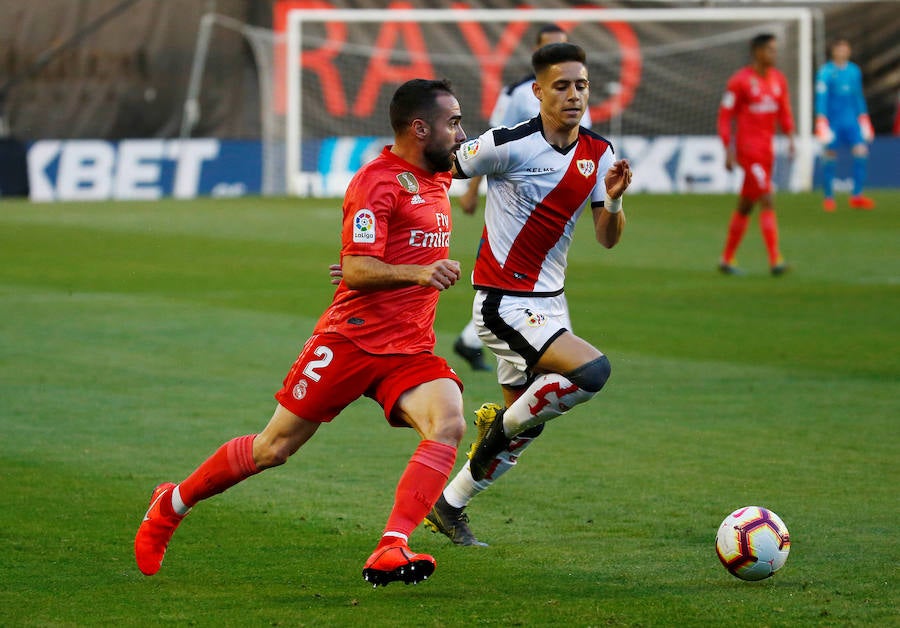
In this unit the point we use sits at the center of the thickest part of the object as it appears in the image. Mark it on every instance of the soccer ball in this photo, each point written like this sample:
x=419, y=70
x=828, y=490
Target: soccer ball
x=753, y=543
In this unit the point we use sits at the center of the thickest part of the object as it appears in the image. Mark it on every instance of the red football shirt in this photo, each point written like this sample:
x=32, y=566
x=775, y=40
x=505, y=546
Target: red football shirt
x=399, y=214
x=756, y=102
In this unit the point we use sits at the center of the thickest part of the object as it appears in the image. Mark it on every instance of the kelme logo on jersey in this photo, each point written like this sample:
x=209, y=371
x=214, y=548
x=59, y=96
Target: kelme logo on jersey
x=408, y=181
x=585, y=167
x=469, y=149
x=364, y=226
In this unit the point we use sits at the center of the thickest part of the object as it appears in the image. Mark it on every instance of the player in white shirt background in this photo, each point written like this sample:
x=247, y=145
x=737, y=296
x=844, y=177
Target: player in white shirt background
x=541, y=174
x=515, y=104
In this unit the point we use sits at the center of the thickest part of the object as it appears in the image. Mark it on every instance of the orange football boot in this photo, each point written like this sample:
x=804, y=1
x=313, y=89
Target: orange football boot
x=862, y=202
x=396, y=562
x=156, y=530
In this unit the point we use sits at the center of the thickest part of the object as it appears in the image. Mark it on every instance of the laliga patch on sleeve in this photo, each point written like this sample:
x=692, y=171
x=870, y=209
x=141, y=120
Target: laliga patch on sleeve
x=728, y=100
x=364, y=226
x=469, y=149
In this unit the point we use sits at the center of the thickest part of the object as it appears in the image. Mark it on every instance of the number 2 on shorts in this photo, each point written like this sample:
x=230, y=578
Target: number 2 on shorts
x=326, y=355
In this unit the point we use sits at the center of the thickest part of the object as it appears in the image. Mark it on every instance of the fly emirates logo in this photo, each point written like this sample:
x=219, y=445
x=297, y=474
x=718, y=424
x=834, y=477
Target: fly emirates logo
x=766, y=105
x=435, y=239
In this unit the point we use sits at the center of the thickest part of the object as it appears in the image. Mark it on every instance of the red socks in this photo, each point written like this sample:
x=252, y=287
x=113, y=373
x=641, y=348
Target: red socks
x=736, y=230
x=769, y=227
x=767, y=224
x=417, y=491
x=232, y=463
x=419, y=488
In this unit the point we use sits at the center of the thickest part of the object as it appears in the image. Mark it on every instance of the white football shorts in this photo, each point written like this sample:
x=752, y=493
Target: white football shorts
x=518, y=329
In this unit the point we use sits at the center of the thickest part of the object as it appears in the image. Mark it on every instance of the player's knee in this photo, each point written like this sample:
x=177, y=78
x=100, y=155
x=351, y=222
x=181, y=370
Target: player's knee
x=829, y=155
x=591, y=376
x=457, y=428
x=860, y=150
x=449, y=429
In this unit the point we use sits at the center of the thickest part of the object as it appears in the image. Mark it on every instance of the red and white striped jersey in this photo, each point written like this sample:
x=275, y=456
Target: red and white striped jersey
x=535, y=194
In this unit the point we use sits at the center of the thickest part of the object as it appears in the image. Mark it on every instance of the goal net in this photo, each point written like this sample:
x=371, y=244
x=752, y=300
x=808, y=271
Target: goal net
x=267, y=47
x=657, y=77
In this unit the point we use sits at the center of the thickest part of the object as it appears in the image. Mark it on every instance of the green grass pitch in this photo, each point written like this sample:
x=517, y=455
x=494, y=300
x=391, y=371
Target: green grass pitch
x=137, y=337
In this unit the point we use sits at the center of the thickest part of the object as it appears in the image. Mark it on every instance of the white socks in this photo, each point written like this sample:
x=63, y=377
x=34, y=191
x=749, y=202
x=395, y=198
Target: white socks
x=463, y=488
x=548, y=396
x=177, y=505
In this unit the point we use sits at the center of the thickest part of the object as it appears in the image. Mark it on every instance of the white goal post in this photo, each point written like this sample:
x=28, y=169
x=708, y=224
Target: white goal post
x=660, y=35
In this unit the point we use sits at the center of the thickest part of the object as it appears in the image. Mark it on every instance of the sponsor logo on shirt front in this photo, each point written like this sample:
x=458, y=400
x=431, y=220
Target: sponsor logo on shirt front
x=436, y=239
x=429, y=239
x=765, y=105
x=469, y=149
x=585, y=167
x=364, y=226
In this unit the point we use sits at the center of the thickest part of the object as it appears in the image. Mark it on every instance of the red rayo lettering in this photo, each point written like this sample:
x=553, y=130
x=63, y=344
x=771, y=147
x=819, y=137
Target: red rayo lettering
x=379, y=71
x=318, y=61
x=492, y=61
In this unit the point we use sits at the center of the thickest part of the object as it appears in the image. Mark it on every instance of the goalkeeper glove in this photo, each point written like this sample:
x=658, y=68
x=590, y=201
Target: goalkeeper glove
x=865, y=127
x=823, y=132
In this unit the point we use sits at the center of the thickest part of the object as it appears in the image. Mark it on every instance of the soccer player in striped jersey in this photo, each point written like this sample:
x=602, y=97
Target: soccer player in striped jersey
x=376, y=339
x=541, y=174
x=516, y=103
x=842, y=120
x=756, y=97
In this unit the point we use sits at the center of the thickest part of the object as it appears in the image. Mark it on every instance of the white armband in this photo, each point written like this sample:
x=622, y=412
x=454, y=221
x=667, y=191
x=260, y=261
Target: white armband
x=613, y=205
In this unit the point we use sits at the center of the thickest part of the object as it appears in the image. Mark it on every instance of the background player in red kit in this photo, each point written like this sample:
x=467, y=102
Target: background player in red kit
x=376, y=339
x=756, y=97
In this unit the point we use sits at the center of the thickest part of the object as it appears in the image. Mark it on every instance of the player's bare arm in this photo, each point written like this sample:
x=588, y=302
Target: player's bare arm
x=730, y=158
x=361, y=272
x=608, y=226
x=618, y=178
x=468, y=201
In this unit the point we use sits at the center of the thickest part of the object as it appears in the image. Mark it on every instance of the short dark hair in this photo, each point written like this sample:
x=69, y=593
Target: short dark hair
x=837, y=41
x=416, y=98
x=546, y=29
x=551, y=54
x=760, y=40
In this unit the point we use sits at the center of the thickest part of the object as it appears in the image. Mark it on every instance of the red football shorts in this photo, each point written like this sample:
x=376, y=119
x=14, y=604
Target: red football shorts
x=757, y=174
x=331, y=372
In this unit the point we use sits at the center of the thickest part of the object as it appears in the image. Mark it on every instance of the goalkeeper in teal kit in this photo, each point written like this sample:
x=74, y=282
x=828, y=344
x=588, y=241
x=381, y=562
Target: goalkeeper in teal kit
x=842, y=120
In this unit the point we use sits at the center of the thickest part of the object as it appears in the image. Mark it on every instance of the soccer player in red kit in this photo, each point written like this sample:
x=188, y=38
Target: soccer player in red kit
x=375, y=340
x=756, y=97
